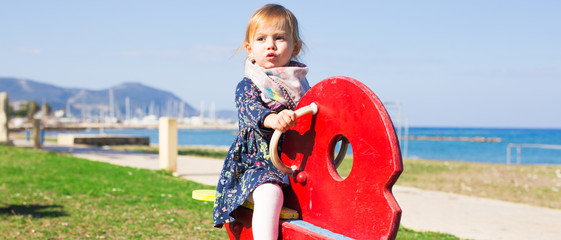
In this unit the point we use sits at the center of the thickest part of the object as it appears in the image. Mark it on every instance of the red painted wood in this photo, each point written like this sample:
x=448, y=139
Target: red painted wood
x=241, y=228
x=362, y=205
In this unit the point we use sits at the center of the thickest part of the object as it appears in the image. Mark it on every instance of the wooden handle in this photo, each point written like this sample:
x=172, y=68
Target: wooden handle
x=313, y=109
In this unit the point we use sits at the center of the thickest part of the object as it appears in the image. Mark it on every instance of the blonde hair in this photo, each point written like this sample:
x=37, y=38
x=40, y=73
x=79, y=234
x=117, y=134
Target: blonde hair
x=277, y=15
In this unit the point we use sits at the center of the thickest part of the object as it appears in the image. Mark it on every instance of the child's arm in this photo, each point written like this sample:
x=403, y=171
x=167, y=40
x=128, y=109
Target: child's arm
x=251, y=110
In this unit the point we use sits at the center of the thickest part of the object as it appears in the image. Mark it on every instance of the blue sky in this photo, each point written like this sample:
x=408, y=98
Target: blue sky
x=450, y=63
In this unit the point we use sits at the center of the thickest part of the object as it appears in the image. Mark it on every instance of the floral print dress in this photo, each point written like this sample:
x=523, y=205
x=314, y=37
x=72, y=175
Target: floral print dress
x=247, y=164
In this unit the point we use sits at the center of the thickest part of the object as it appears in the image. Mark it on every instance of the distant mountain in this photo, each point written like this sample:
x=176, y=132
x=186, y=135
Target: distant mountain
x=24, y=90
x=142, y=100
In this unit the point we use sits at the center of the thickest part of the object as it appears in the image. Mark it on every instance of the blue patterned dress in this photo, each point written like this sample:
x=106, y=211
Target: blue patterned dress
x=247, y=164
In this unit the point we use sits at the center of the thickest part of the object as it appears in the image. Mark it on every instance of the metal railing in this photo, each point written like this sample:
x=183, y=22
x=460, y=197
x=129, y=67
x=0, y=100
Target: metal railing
x=520, y=146
x=401, y=124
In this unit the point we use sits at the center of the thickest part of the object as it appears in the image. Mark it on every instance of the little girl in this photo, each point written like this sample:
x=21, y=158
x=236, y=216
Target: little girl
x=265, y=100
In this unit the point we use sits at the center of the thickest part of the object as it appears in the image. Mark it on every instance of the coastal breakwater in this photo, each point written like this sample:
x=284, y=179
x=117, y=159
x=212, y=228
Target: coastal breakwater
x=101, y=140
x=449, y=138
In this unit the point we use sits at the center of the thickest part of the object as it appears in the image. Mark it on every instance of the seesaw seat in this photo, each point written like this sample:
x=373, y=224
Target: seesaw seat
x=209, y=195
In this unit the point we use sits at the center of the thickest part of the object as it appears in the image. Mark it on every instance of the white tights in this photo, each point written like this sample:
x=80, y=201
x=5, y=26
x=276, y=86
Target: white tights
x=267, y=200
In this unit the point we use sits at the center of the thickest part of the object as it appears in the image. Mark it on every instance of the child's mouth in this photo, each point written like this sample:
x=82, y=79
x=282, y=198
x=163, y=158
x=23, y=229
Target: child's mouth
x=271, y=55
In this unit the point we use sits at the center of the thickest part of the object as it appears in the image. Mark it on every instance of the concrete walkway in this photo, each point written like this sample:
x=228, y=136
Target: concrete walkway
x=462, y=216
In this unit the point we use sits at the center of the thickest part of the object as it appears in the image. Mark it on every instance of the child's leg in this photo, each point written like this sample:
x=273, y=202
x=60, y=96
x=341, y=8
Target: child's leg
x=267, y=201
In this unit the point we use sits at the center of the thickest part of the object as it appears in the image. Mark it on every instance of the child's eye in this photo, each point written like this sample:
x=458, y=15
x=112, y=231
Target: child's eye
x=279, y=38
x=260, y=39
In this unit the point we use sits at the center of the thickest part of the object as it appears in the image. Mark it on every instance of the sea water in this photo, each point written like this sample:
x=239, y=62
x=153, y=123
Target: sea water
x=490, y=152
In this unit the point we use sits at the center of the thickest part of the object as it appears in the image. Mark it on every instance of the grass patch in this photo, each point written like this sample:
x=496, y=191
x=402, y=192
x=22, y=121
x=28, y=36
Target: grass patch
x=55, y=196
x=405, y=234
x=48, y=195
x=345, y=167
x=537, y=185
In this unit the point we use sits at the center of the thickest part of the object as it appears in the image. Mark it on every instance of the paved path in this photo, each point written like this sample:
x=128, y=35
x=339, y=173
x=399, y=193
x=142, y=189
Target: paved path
x=462, y=216
x=475, y=218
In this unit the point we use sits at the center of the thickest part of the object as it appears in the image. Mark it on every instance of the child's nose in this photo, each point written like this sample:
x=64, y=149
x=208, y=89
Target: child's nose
x=270, y=44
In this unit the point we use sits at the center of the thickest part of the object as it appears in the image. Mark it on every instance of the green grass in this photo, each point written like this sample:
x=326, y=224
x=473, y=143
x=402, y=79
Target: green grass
x=53, y=196
x=47, y=195
x=345, y=167
x=537, y=185
x=405, y=234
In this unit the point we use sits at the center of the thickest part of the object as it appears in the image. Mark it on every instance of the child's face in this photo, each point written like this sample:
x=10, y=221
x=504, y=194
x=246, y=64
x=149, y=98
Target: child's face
x=271, y=47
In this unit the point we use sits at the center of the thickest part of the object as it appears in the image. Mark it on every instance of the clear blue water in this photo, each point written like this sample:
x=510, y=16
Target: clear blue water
x=491, y=152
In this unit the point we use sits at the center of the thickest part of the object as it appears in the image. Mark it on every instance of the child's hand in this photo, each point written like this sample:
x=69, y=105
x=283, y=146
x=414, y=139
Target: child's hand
x=281, y=121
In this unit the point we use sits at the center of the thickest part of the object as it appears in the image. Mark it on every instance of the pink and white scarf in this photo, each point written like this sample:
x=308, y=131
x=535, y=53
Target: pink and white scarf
x=281, y=87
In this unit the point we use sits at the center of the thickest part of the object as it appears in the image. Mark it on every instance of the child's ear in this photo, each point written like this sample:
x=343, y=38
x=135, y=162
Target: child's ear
x=296, y=50
x=249, y=53
x=248, y=48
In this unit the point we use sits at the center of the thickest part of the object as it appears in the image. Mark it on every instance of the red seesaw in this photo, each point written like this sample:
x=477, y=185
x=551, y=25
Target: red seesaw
x=360, y=206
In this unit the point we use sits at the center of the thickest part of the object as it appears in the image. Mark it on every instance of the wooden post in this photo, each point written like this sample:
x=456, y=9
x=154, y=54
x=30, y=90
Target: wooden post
x=36, y=133
x=168, y=144
x=4, y=132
